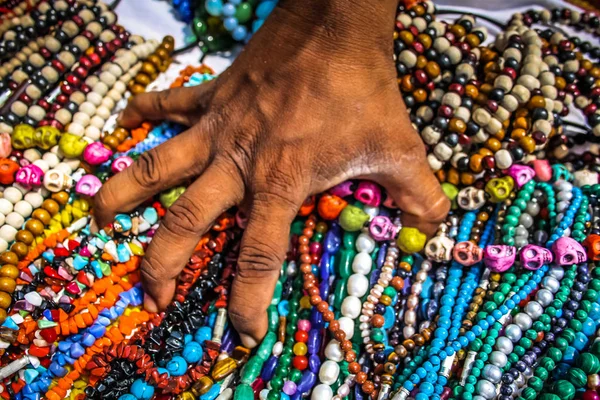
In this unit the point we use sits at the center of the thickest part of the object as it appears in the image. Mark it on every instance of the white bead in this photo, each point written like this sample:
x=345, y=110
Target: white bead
x=2, y=218
x=32, y=154
x=333, y=351
x=6, y=206
x=76, y=129
x=504, y=345
x=97, y=121
x=13, y=195
x=498, y=358
x=430, y=135
x=351, y=307
x=23, y=208
x=347, y=325
x=372, y=212
x=322, y=392
x=435, y=163
x=81, y=118
x=277, y=349
x=35, y=199
x=92, y=132
x=357, y=285
x=365, y=243
x=503, y=159
x=3, y=245
x=362, y=263
x=8, y=233
x=51, y=159
x=329, y=372
x=15, y=220
x=43, y=165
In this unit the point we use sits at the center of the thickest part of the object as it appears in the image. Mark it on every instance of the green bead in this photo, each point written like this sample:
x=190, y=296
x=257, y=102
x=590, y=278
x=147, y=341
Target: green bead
x=349, y=240
x=555, y=355
x=564, y=389
x=340, y=291
x=170, y=196
x=352, y=218
x=528, y=394
x=345, y=264
x=548, y=363
x=377, y=335
x=535, y=383
x=525, y=342
x=531, y=334
x=577, y=377
x=274, y=395
x=476, y=345
x=408, y=258
x=589, y=363
x=243, y=392
x=251, y=370
x=410, y=240
x=295, y=375
x=576, y=325
x=549, y=396
x=498, y=298
x=264, y=350
x=476, y=372
x=199, y=27
x=297, y=227
x=519, y=350
x=590, y=295
x=451, y=192
x=273, y=318
x=243, y=13
x=541, y=373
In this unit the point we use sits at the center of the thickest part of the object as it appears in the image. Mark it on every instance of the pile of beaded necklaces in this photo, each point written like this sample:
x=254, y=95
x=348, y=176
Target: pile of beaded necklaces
x=502, y=302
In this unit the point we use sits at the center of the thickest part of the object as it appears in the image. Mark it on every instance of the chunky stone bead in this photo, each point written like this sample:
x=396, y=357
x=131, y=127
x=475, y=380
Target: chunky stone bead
x=411, y=240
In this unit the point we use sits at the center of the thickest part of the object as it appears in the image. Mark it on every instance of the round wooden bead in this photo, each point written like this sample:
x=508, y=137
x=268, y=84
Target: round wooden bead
x=23, y=208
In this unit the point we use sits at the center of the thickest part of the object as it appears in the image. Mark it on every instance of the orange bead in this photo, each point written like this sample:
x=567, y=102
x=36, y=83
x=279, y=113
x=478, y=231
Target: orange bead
x=528, y=144
x=493, y=144
x=8, y=169
x=330, y=206
x=475, y=163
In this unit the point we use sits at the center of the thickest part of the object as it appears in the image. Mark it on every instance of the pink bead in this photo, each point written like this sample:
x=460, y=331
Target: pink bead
x=467, y=253
x=88, y=185
x=5, y=145
x=567, y=251
x=96, y=153
x=342, y=190
x=534, y=257
x=382, y=228
x=543, y=170
x=304, y=325
x=121, y=163
x=29, y=176
x=369, y=193
x=499, y=258
x=521, y=174
x=590, y=395
x=315, y=248
x=445, y=393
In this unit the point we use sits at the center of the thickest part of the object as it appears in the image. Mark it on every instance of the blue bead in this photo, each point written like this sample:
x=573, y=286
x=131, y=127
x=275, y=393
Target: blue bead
x=228, y=10
x=192, y=352
x=477, y=330
x=141, y=390
x=264, y=9
x=407, y=385
x=414, y=378
x=202, y=334
x=470, y=336
x=230, y=23
x=177, y=366
x=484, y=324
x=214, y=7
x=212, y=393
x=128, y=397
x=239, y=33
x=77, y=350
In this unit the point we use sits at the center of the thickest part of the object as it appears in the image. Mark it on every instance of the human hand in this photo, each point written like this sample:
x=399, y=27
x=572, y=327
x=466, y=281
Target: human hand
x=311, y=102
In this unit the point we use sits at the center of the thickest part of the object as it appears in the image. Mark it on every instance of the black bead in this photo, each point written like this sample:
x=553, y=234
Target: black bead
x=539, y=113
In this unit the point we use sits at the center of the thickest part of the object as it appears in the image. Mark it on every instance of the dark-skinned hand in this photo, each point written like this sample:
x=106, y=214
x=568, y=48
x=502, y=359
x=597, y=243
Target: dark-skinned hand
x=310, y=102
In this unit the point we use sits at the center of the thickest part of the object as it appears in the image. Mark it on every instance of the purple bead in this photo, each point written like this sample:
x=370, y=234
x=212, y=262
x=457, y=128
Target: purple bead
x=316, y=318
x=227, y=341
x=289, y=388
x=324, y=289
x=308, y=380
x=326, y=262
x=314, y=341
x=381, y=255
x=333, y=239
x=314, y=363
x=269, y=369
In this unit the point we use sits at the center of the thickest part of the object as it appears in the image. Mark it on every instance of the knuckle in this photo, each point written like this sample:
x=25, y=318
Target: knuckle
x=257, y=260
x=184, y=217
x=148, y=172
x=160, y=100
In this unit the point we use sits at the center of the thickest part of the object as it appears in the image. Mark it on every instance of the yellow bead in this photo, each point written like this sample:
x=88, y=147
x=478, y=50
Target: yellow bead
x=136, y=250
x=305, y=302
x=499, y=188
x=411, y=240
x=223, y=369
x=72, y=146
x=186, y=396
x=300, y=349
x=46, y=137
x=22, y=137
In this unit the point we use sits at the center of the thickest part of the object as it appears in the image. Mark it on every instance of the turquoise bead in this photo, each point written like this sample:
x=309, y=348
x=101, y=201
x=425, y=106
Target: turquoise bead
x=202, y=334
x=128, y=397
x=177, y=366
x=192, y=352
x=214, y=7
x=141, y=390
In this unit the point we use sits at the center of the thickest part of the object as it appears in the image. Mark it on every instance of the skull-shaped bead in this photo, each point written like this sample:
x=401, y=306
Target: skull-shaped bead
x=22, y=137
x=382, y=228
x=5, y=145
x=543, y=170
x=96, y=153
x=467, y=253
x=499, y=258
x=568, y=252
x=56, y=180
x=88, y=185
x=560, y=172
x=120, y=163
x=471, y=198
x=499, y=189
x=46, y=137
x=369, y=193
x=439, y=249
x=592, y=245
x=29, y=176
x=343, y=189
x=521, y=174
x=534, y=257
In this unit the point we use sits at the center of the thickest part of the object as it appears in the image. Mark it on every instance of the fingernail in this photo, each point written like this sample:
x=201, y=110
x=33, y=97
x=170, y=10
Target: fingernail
x=119, y=117
x=93, y=226
x=149, y=303
x=248, y=341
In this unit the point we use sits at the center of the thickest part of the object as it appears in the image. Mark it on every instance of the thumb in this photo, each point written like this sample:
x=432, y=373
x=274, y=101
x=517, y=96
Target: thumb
x=263, y=248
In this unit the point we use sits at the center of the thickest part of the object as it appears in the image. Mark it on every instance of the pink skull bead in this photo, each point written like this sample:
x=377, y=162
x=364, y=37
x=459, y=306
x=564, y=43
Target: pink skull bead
x=467, y=253
x=342, y=190
x=499, y=258
x=521, y=174
x=543, y=170
x=369, y=193
x=121, y=163
x=567, y=251
x=5, y=145
x=88, y=185
x=382, y=228
x=534, y=257
x=30, y=176
x=96, y=153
